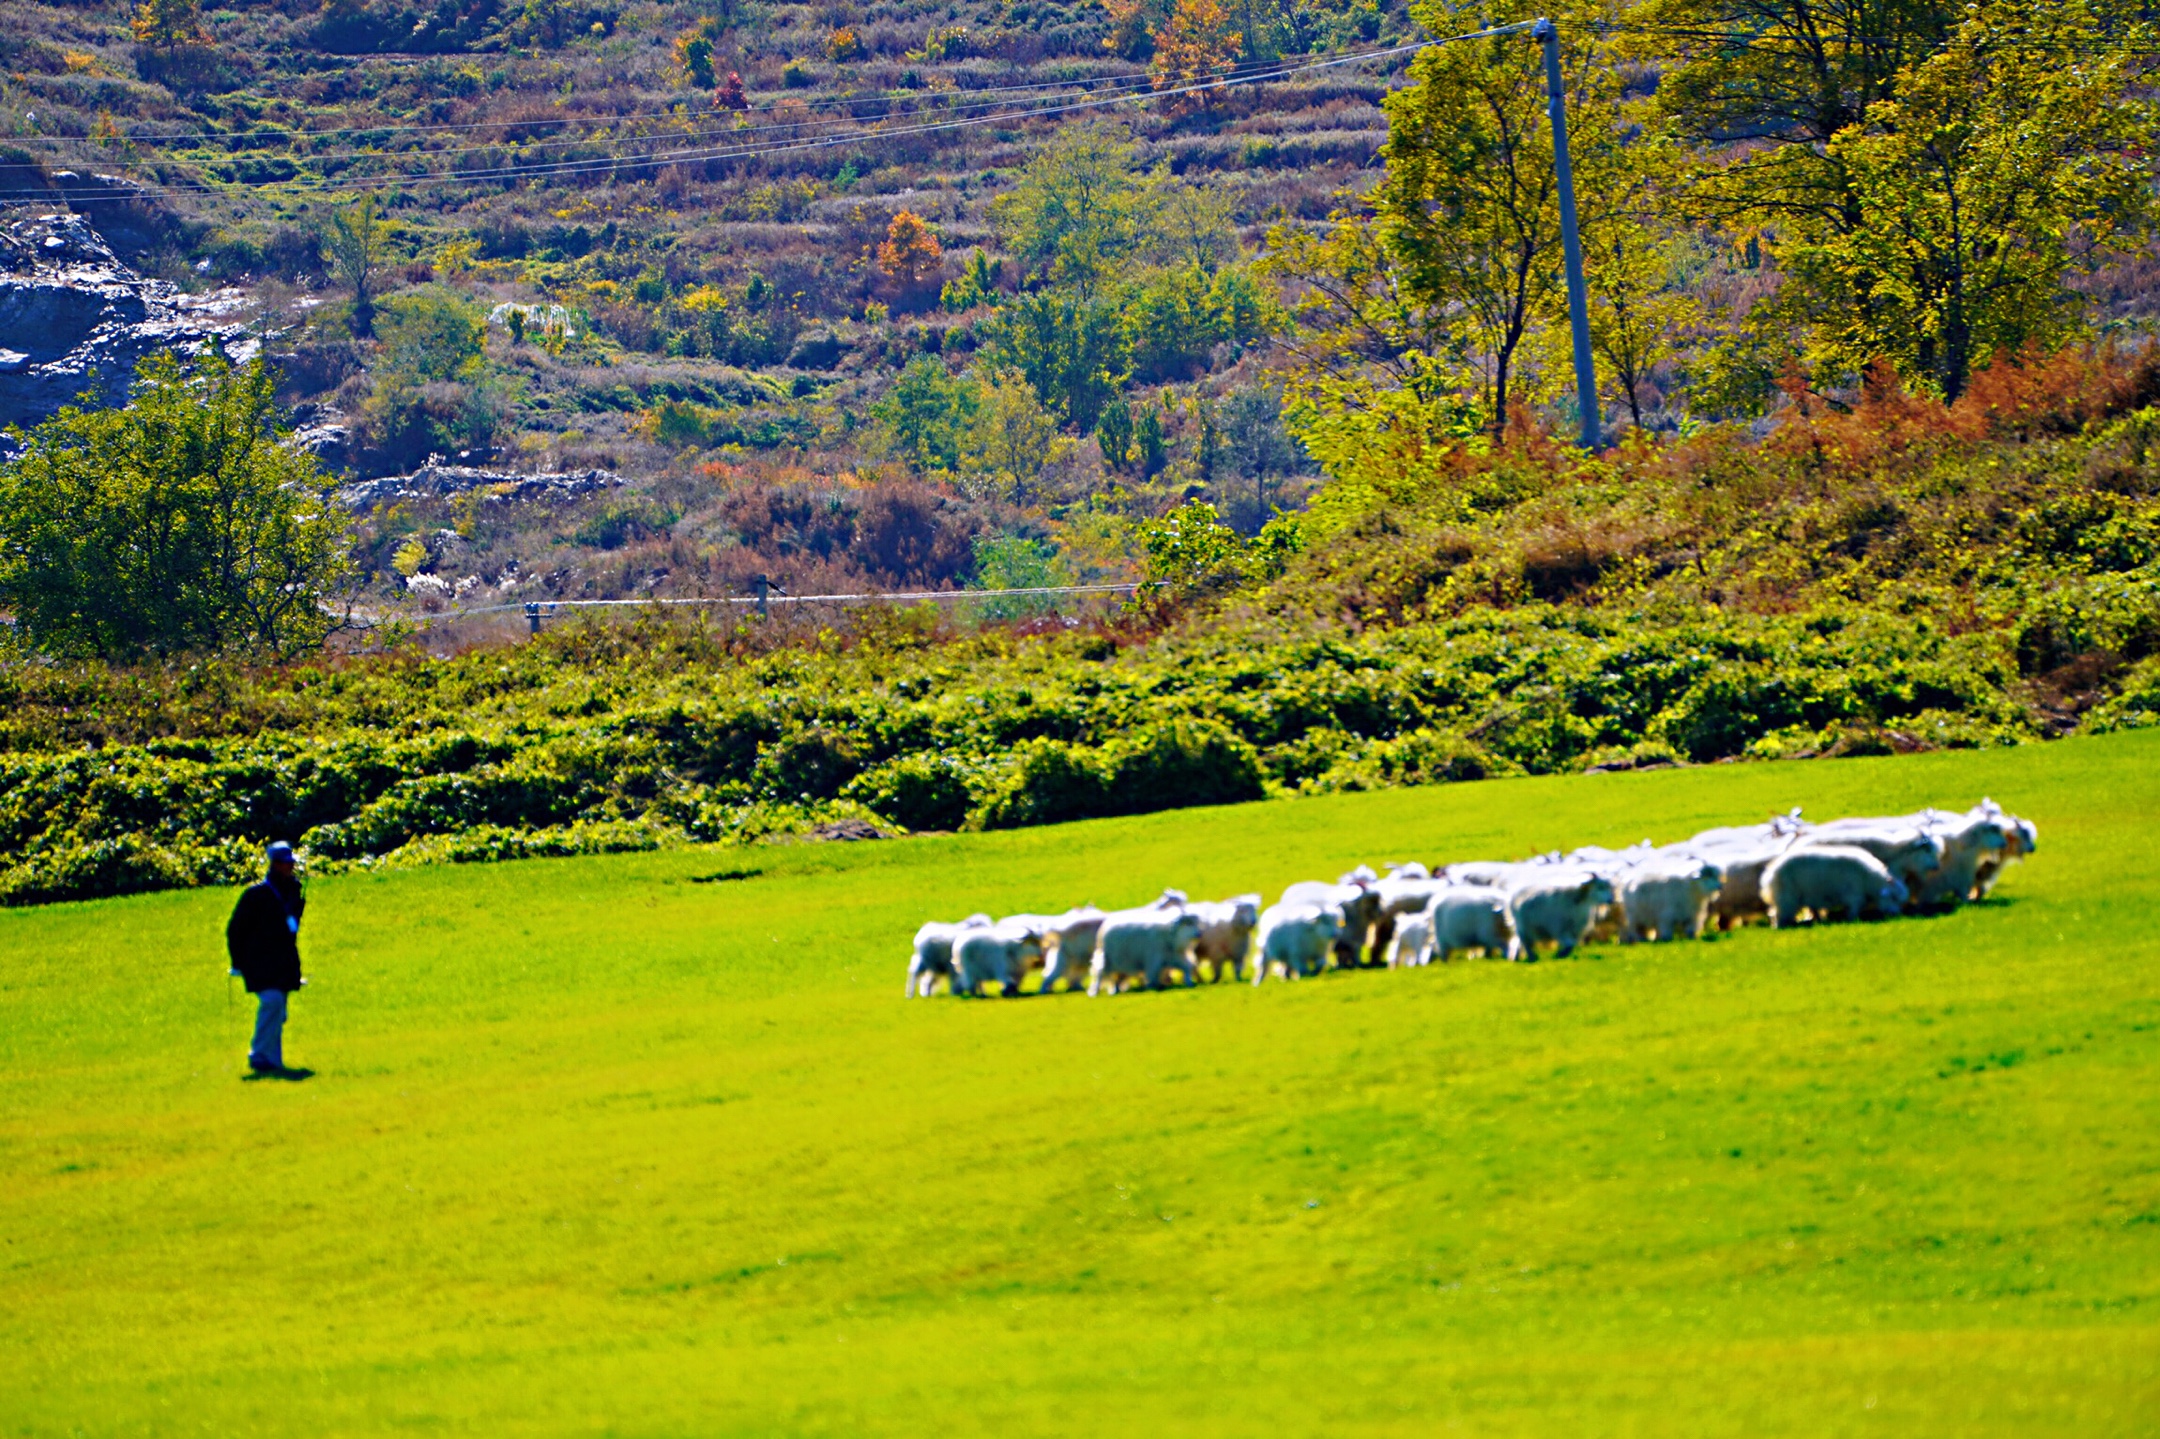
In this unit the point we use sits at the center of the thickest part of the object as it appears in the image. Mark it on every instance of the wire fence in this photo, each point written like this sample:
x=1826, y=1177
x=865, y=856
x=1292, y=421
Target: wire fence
x=536, y=612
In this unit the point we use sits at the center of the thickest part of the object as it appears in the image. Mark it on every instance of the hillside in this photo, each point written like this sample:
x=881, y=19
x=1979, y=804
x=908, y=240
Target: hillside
x=715, y=327
x=1980, y=576
x=1262, y=311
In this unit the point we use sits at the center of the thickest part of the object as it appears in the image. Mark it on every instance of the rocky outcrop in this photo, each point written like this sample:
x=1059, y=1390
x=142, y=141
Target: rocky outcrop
x=74, y=318
x=442, y=482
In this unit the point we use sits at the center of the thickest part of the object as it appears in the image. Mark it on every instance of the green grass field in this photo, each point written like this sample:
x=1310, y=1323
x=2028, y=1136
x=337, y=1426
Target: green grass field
x=597, y=1149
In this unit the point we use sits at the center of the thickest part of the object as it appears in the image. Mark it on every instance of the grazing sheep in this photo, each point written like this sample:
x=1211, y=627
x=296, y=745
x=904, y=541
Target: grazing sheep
x=1411, y=944
x=1828, y=880
x=1396, y=897
x=1614, y=866
x=1358, y=905
x=1469, y=916
x=998, y=954
x=1739, y=897
x=1907, y=851
x=1972, y=843
x=1226, y=933
x=1665, y=897
x=1783, y=869
x=1777, y=827
x=1144, y=942
x=1493, y=873
x=1297, y=937
x=933, y=954
x=1557, y=908
x=2020, y=838
x=1968, y=840
x=1606, y=861
x=1069, y=959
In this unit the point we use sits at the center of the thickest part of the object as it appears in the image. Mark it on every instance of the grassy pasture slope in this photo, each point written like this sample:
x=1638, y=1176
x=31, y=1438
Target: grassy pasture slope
x=596, y=1149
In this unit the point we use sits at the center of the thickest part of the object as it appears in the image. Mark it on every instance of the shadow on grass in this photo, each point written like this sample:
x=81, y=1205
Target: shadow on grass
x=290, y=1076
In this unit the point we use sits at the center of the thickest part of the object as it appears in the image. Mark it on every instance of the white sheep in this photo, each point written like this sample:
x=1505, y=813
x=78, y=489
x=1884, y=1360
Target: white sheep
x=1068, y=960
x=1144, y=942
x=1226, y=933
x=1396, y=897
x=1469, y=916
x=1357, y=903
x=1969, y=842
x=932, y=955
x=1828, y=880
x=1777, y=827
x=1908, y=851
x=1665, y=897
x=1739, y=897
x=1295, y=936
x=1412, y=942
x=997, y=954
x=1556, y=908
x=2020, y=838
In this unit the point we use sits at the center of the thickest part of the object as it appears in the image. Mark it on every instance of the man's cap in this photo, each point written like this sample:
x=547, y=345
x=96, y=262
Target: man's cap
x=279, y=850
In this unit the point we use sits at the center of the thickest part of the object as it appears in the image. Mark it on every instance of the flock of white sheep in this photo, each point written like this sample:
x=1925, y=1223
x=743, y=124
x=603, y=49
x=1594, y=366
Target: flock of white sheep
x=1780, y=870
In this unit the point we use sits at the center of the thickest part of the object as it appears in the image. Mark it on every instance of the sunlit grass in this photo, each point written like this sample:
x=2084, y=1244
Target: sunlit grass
x=596, y=1148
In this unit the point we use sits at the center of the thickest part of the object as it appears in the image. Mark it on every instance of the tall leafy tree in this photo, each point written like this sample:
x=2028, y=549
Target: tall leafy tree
x=177, y=524
x=1013, y=438
x=927, y=414
x=1468, y=213
x=1636, y=265
x=1074, y=352
x=1193, y=222
x=1781, y=78
x=2007, y=159
x=1079, y=210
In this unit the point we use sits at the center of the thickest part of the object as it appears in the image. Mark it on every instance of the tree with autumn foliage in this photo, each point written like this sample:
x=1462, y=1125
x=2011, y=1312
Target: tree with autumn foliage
x=1196, y=46
x=911, y=256
x=166, y=24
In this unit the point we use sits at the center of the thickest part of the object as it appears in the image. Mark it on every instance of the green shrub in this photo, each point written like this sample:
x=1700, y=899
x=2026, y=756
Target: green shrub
x=916, y=792
x=1051, y=782
x=811, y=764
x=174, y=524
x=1180, y=764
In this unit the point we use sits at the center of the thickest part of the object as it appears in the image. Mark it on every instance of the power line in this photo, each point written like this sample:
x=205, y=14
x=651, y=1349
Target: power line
x=818, y=103
x=618, y=163
x=787, y=127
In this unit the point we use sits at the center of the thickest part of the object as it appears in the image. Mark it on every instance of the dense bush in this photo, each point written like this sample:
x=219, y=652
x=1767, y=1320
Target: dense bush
x=587, y=738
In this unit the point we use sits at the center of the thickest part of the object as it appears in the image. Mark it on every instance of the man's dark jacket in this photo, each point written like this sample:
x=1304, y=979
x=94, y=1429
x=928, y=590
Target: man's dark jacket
x=264, y=948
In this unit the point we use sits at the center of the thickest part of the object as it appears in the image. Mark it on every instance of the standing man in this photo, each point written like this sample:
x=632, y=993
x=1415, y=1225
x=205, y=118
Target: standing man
x=263, y=938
